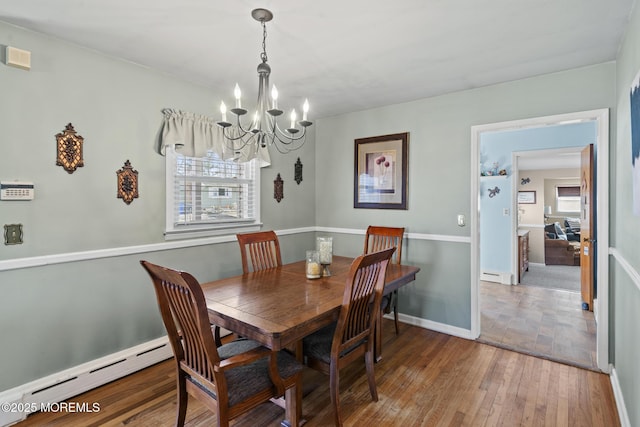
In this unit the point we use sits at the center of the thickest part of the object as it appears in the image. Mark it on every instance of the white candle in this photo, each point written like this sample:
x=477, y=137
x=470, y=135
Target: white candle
x=293, y=118
x=237, y=94
x=274, y=97
x=223, y=110
x=305, y=109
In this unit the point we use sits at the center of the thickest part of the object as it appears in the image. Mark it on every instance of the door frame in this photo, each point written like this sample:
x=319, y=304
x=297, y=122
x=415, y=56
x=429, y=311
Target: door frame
x=601, y=307
x=515, y=171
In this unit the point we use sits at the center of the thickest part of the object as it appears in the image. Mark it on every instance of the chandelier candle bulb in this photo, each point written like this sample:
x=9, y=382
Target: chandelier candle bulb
x=237, y=93
x=305, y=109
x=293, y=118
x=274, y=97
x=223, y=111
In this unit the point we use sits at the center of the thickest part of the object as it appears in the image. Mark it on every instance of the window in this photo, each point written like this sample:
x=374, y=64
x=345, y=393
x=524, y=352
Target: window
x=568, y=199
x=209, y=196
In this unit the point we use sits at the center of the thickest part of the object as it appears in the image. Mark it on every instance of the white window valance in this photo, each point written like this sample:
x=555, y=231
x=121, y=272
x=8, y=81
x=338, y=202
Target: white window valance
x=197, y=134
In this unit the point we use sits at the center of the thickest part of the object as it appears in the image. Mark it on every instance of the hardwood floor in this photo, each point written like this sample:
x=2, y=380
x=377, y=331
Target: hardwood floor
x=547, y=323
x=424, y=379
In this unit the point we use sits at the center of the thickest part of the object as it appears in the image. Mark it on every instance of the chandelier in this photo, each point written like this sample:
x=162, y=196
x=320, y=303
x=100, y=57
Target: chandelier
x=263, y=130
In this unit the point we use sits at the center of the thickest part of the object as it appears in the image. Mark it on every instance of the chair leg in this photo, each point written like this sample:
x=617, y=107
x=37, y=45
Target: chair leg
x=334, y=391
x=368, y=359
x=182, y=399
x=378, y=338
x=395, y=311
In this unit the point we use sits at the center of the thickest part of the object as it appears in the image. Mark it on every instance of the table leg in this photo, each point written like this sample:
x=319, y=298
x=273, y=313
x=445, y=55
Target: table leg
x=293, y=406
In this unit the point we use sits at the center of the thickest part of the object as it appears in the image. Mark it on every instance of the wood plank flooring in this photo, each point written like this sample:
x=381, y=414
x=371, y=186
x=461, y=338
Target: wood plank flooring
x=424, y=379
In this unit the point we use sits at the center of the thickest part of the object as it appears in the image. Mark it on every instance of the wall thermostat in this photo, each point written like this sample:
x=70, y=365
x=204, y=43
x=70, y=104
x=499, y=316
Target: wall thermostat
x=16, y=190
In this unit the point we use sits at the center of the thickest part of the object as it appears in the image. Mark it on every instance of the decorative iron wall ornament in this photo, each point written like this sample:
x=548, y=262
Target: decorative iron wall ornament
x=127, y=183
x=525, y=181
x=278, y=188
x=69, y=149
x=493, y=191
x=298, y=171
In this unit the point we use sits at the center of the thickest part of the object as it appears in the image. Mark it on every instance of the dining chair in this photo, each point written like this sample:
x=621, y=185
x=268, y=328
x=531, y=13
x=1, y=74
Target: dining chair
x=230, y=379
x=376, y=239
x=263, y=249
x=352, y=336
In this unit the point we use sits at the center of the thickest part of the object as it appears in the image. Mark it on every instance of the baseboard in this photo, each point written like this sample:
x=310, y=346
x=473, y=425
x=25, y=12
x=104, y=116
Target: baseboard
x=619, y=398
x=62, y=385
x=431, y=325
x=496, y=277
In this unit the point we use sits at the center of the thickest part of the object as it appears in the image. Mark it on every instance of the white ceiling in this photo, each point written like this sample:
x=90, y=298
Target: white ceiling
x=344, y=55
x=550, y=159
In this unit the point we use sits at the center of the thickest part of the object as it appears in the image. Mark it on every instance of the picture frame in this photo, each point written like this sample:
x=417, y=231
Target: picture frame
x=526, y=197
x=380, y=178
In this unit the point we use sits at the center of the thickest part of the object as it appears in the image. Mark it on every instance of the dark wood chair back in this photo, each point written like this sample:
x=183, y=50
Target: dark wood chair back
x=379, y=238
x=358, y=316
x=208, y=372
x=262, y=248
x=352, y=336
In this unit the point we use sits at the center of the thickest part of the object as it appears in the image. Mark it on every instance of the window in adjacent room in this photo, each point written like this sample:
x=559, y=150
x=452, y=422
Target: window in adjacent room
x=568, y=198
x=210, y=196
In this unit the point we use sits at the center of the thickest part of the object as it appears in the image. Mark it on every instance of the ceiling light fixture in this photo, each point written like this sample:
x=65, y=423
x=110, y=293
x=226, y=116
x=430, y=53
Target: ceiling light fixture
x=263, y=129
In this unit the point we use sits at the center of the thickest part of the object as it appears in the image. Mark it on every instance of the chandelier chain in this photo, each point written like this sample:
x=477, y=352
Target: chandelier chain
x=263, y=55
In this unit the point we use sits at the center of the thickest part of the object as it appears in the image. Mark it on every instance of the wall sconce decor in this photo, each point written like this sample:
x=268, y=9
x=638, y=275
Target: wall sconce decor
x=69, y=149
x=278, y=188
x=127, y=183
x=298, y=171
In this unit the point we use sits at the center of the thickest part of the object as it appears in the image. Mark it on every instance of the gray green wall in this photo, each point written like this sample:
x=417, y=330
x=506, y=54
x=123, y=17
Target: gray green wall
x=58, y=316
x=625, y=232
x=439, y=174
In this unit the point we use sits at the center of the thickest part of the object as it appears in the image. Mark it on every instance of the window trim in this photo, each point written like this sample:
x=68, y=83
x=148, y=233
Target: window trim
x=188, y=231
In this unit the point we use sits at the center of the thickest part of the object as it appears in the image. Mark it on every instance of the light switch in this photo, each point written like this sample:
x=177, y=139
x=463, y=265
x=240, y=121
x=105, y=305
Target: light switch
x=461, y=221
x=13, y=234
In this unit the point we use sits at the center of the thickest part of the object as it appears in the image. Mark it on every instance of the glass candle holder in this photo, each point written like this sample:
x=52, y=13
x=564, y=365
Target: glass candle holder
x=324, y=246
x=313, y=266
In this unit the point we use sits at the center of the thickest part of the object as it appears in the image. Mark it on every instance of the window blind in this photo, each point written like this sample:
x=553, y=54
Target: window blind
x=572, y=191
x=209, y=190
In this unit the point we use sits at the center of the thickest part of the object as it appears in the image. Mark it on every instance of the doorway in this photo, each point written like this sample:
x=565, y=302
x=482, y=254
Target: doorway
x=600, y=138
x=543, y=315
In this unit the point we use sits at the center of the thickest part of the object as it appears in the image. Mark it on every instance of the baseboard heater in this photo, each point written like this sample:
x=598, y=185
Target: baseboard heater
x=74, y=381
x=496, y=276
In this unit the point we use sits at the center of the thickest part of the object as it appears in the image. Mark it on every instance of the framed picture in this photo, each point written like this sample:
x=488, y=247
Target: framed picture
x=380, y=172
x=527, y=197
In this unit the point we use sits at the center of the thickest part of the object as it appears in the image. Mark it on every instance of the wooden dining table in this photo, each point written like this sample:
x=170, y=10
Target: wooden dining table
x=278, y=307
